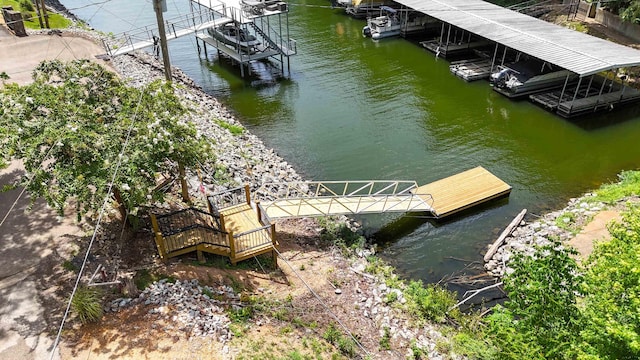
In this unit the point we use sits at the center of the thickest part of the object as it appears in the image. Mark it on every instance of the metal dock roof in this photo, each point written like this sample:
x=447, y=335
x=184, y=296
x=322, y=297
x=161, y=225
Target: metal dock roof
x=577, y=52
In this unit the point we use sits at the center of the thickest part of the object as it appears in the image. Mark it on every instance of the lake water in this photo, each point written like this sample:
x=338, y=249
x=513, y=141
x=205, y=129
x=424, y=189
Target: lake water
x=355, y=109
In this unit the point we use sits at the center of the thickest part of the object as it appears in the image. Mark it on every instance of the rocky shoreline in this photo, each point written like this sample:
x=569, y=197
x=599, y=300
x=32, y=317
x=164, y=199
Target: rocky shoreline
x=560, y=225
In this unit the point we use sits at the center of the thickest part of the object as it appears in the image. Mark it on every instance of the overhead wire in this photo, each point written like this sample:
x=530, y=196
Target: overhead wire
x=97, y=226
x=323, y=303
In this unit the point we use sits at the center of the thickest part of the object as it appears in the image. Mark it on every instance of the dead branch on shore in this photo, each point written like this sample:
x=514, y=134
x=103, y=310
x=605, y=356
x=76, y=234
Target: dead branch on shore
x=474, y=293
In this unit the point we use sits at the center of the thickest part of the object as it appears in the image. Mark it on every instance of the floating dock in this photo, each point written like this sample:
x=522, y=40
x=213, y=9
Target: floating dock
x=464, y=190
x=239, y=228
x=471, y=70
x=446, y=50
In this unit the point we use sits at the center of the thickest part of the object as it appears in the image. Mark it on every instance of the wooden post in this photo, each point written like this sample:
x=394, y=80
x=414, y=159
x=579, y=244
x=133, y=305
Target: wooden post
x=247, y=194
x=209, y=206
x=222, y=222
x=43, y=9
x=232, y=247
x=259, y=212
x=200, y=255
x=183, y=183
x=158, y=238
x=123, y=211
x=157, y=7
x=274, y=242
x=39, y=13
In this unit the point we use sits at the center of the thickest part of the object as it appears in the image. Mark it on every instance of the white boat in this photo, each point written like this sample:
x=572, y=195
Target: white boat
x=391, y=24
x=235, y=37
x=527, y=77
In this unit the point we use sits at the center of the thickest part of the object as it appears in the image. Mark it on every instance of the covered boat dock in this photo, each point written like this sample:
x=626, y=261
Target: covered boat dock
x=595, y=62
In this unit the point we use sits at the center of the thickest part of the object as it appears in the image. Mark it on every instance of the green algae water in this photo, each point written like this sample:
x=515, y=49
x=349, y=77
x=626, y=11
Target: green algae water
x=357, y=109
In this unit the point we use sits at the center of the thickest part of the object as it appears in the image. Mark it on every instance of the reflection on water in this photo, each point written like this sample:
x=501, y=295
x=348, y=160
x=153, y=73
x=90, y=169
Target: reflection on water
x=356, y=109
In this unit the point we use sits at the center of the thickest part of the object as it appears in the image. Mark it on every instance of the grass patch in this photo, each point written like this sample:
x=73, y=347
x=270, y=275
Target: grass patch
x=628, y=185
x=345, y=344
x=68, y=265
x=385, y=340
x=87, y=304
x=428, y=303
x=26, y=8
x=567, y=221
x=233, y=129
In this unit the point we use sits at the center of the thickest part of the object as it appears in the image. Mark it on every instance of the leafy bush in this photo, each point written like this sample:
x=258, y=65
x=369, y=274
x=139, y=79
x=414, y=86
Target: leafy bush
x=86, y=303
x=541, y=317
x=628, y=184
x=429, y=303
x=612, y=303
x=26, y=5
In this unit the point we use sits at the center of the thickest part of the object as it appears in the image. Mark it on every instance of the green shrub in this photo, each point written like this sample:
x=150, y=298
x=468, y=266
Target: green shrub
x=233, y=129
x=429, y=303
x=385, y=340
x=628, y=184
x=26, y=5
x=612, y=287
x=87, y=304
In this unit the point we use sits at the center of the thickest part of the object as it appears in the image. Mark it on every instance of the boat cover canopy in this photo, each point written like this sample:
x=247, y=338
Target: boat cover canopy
x=389, y=9
x=580, y=53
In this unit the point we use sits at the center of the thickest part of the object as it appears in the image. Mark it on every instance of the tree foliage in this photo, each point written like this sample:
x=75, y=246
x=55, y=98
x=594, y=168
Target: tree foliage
x=612, y=287
x=69, y=127
x=628, y=10
x=541, y=318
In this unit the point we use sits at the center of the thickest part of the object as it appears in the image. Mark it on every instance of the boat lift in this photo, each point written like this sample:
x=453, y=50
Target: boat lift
x=267, y=19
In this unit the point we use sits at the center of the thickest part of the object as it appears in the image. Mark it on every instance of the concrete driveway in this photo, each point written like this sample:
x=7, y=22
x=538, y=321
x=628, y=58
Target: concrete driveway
x=20, y=55
x=32, y=240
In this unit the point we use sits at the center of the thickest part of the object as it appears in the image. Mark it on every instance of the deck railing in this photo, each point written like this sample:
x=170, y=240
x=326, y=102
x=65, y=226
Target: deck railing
x=229, y=198
x=251, y=239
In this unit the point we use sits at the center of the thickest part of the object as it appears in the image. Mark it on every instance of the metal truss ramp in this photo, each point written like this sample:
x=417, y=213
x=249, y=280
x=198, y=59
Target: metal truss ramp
x=310, y=199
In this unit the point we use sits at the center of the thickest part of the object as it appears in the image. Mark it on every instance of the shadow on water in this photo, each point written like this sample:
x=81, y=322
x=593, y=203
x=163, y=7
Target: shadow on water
x=408, y=223
x=615, y=116
x=261, y=73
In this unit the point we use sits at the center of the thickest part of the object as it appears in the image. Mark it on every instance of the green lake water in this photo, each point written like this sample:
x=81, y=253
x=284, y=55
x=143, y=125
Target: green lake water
x=357, y=109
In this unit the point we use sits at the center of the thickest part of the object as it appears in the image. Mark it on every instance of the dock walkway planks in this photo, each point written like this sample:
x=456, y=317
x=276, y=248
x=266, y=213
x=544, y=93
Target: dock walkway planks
x=464, y=190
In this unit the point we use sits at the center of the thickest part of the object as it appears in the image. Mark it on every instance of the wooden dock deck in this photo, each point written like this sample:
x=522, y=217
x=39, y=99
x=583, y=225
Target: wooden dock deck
x=464, y=190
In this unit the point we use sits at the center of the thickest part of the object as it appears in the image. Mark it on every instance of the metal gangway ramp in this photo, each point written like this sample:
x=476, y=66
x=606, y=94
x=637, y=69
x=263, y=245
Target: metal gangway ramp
x=183, y=25
x=325, y=198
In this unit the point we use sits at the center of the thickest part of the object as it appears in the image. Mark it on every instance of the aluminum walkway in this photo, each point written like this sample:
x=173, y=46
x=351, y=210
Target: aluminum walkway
x=147, y=36
x=310, y=199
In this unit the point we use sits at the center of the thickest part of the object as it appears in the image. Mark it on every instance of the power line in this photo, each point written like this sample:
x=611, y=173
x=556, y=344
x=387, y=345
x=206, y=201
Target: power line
x=322, y=302
x=95, y=231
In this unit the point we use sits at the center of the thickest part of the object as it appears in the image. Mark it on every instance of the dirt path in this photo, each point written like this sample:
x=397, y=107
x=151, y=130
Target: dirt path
x=594, y=231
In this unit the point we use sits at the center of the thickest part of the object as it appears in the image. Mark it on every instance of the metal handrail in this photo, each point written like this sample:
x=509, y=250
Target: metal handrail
x=296, y=189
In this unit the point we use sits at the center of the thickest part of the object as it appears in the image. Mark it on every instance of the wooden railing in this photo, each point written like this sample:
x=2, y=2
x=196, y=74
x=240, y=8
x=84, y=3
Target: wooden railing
x=229, y=198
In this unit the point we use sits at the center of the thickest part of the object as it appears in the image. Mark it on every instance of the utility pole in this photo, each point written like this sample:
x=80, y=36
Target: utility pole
x=157, y=6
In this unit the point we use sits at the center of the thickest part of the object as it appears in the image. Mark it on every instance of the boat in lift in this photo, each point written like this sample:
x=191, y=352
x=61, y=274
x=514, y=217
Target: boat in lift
x=235, y=37
x=528, y=77
x=389, y=24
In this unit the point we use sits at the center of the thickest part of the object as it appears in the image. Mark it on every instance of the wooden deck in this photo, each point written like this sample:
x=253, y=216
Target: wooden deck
x=464, y=190
x=239, y=235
